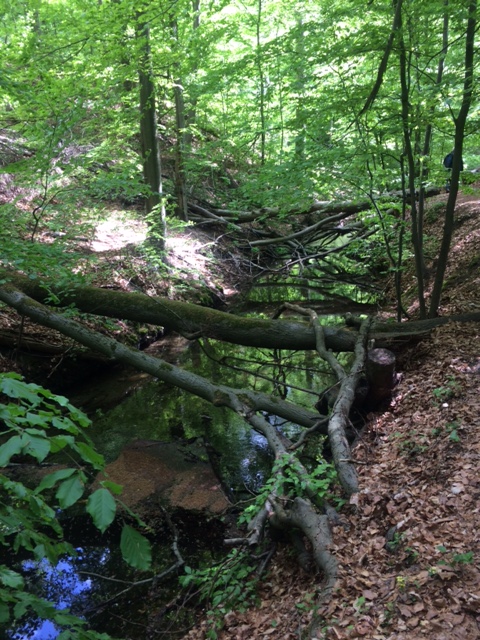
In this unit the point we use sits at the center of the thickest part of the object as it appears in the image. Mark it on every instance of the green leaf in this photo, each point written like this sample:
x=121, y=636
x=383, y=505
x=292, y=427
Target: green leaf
x=35, y=446
x=65, y=424
x=37, y=419
x=57, y=443
x=102, y=507
x=70, y=491
x=12, y=447
x=10, y=578
x=49, y=481
x=14, y=387
x=135, y=548
x=112, y=486
x=90, y=455
x=4, y=613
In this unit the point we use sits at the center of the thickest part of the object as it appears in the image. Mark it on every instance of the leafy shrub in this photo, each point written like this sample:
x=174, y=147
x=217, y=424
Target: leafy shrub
x=35, y=423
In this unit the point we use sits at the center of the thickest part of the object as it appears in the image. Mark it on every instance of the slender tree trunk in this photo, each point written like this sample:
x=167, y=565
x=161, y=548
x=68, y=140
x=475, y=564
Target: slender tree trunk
x=424, y=171
x=191, y=113
x=409, y=153
x=457, y=158
x=299, y=89
x=149, y=143
x=261, y=78
x=180, y=124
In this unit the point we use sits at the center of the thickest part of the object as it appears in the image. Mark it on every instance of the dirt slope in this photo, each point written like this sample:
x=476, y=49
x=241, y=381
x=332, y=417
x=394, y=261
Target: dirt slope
x=409, y=541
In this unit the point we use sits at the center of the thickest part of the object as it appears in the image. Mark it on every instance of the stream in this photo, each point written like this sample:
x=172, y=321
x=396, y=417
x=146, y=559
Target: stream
x=130, y=410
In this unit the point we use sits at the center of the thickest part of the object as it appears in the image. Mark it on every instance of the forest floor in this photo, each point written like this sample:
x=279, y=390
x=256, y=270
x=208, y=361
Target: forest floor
x=409, y=542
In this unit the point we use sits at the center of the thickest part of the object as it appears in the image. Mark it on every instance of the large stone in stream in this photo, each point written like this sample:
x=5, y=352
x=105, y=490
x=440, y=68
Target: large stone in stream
x=169, y=471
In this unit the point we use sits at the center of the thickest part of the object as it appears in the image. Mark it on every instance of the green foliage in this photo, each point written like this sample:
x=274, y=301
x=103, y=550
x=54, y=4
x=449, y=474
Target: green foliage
x=456, y=559
x=37, y=423
x=229, y=585
x=288, y=480
x=463, y=558
x=447, y=391
x=413, y=444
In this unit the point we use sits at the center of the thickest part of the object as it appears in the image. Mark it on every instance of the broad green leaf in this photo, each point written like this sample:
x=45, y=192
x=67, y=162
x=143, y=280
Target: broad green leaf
x=135, y=548
x=90, y=455
x=49, y=481
x=57, y=443
x=112, y=486
x=70, y=491
x=16, y=388
x=4, y=612
x=35, y=446
x=64, y=424
x=102, y=507
x=41, y=509
x=37, y=419
x=18, y=489
x=10, y=578
x=12, y=447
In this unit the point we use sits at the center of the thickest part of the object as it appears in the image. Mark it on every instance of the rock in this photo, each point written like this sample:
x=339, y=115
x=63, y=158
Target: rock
x=170, y=471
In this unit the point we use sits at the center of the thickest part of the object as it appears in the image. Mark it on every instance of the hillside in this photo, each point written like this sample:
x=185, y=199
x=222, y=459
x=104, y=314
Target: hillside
x=408, y=543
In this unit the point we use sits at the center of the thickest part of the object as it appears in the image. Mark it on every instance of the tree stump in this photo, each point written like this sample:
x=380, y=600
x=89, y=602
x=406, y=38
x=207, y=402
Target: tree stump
x=380, y=373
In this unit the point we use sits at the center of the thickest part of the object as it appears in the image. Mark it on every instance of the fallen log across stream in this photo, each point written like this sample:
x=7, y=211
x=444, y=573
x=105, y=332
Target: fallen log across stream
x=304, y=512
x=307, y=512
x=194, y=321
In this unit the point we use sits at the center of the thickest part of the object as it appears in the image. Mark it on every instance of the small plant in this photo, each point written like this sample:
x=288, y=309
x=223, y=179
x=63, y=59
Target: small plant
x=463, y=558
x=359, y=604
x=308, y=604
x=413, y=445
x=401, y=582
x=449, y=390
x=224, y=587
x=411, y=555
x=395, y=542
x=452, y=430
x=388, y=614
x=288, y=479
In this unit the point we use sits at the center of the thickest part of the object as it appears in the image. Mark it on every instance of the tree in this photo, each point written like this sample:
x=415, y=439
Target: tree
x=460, y=124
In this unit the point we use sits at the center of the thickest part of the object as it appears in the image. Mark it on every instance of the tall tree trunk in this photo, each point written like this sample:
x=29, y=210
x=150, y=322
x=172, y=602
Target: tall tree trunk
x=460, y=123
x=180, y=124
x=409, y=153
x=261, y=78
x=424, y=171
x=191, y=112
x=299, y=71
x=152, y=174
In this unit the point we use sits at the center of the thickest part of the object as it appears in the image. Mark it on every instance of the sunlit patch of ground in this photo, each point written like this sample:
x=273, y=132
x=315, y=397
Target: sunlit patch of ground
x=118, y=232
x=189, y=256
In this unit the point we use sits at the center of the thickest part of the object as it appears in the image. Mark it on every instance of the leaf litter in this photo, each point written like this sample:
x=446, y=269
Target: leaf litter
x=408, y=543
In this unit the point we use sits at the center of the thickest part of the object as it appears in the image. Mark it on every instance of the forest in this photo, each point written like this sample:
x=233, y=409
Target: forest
x=273, y=187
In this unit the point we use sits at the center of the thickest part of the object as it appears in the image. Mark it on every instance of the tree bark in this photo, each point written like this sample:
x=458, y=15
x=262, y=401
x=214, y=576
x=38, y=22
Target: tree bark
x=460, y=123
x=152, y=172
x=194, y=321
x=239, y=400
x=339, y=418
x=380, y=373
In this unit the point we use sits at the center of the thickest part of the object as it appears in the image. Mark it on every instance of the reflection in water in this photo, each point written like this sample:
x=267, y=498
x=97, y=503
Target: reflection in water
x=156, y=412
x=62, y=585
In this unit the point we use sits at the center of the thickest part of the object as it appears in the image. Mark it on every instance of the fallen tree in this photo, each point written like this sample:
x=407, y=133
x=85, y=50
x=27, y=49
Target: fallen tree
x=303, y=513
x=194, y=321
x=282, y=508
